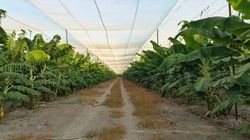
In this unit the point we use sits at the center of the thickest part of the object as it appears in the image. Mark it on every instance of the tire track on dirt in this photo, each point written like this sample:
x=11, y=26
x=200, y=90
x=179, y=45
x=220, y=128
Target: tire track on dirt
x=129, y=120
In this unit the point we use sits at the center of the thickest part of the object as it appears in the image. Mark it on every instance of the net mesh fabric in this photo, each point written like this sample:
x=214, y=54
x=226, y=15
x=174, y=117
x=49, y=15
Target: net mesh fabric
x=112, y=31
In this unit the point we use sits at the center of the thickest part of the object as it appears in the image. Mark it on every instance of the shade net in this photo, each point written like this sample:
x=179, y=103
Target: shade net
x=112, y=31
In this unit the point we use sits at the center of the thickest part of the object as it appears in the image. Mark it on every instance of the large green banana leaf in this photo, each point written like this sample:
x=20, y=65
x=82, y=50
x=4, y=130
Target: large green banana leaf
x=241, y=6
x=204, y=52
x=177, y=47
x=162, y=51
x=220, y=29
x=208, y=52
x=171, y=60
x=36, y=55
x=233, y=96
x=242, y=75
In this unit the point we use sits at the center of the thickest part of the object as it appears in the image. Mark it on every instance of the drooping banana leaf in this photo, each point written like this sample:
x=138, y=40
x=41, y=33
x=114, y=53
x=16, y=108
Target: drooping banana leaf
x=26, y=90
x=177, y=47
x=204, y=52
x=242, y=75
x=16, y=96
x=241, y=6
x=220, y=29
x=171, y=60
x=208, y=52
x=162, y=51
x=233, y=96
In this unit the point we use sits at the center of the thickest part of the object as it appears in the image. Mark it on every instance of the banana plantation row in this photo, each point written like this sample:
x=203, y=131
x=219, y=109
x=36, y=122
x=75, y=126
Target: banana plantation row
x=35, y=70
x=208, y=61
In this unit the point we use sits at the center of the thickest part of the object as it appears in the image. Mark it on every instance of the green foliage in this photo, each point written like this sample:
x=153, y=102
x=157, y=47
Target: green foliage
x=36, y=55
x=3, y=37
x=241, y=6
x=243, y=130
x=2, y=13
x=34, y=70
x=208, y=62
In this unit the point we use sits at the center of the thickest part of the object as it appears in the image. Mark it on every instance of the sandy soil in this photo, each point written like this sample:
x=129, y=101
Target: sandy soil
x=68, y=118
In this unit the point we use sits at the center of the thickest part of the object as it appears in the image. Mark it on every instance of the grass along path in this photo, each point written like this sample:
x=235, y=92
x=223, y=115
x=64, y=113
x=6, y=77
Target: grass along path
x=114, y=133
x=129, y=120
x=114, y=102
x=114, y=99
x=94, y=96
x=147, y=107
x=161, y=119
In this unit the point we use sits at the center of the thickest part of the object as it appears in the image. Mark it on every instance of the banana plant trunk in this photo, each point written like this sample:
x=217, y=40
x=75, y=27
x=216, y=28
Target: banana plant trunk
x=235, y=105
x=1, y=112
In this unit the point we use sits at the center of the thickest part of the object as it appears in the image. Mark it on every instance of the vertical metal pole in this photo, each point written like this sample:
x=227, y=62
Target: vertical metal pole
x=201, y=14
x=157, y=36
x=87, y=52
x=30, y=33
x=229, y=10
x=67, y=40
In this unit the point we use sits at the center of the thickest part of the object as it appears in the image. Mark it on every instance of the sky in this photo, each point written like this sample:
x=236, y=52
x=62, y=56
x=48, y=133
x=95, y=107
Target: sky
x=115, y=33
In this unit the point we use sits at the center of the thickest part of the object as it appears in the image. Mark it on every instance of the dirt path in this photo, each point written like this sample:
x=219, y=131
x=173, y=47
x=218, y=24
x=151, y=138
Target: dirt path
x=185, y=125
x=66, y=118
x=87, y=119
x=83, y=114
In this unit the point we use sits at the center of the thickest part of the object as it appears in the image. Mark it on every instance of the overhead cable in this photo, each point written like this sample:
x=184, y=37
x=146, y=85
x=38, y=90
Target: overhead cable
x=79, y=24
x=133, y=23
x=26, y=25
x=104, y=26
x=219, y=10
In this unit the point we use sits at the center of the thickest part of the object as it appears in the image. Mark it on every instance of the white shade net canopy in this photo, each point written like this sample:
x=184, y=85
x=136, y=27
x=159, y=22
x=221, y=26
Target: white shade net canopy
x=112, y=31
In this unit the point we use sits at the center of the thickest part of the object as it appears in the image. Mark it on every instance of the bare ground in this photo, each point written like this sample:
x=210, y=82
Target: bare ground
x=83, y=114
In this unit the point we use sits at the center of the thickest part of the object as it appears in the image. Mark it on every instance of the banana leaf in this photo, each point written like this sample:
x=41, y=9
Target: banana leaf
x=241, y=6
x=36, y=55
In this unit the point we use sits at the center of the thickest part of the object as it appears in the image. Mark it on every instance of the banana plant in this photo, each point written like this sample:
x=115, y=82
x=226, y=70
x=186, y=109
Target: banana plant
x=208, y=60
x=35, y=70
x=242, y=6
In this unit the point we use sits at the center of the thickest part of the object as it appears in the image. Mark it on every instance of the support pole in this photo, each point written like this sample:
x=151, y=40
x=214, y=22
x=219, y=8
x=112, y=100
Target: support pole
x=67, y=40
x=229, y=10
x=30, y=33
